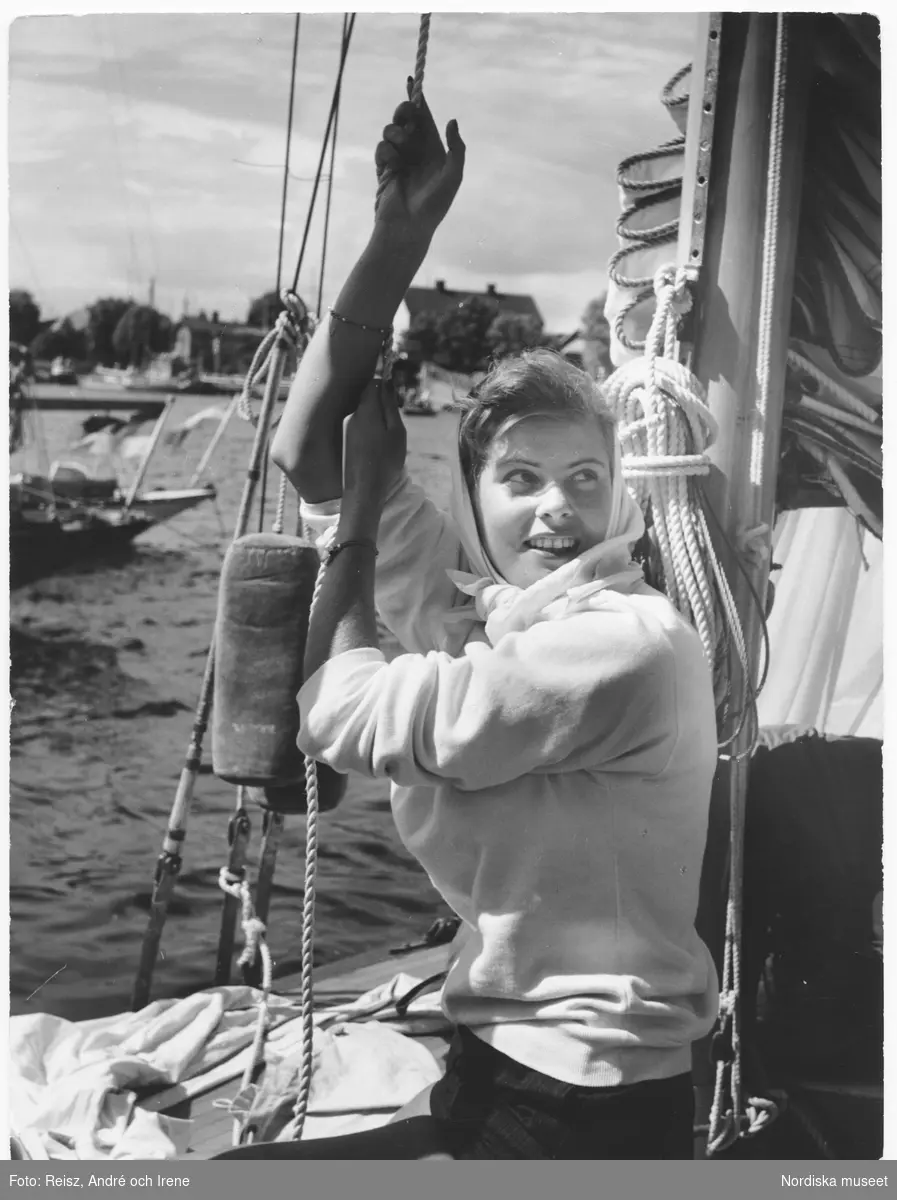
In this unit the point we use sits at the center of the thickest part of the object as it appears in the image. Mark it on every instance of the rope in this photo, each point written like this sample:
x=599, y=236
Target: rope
x=292, y=330
x=728, y=1120
x=255, y=946
x=330, y=173
x=334, y=104
x=277, y=527
x=286, y=161
x=665, y=430
x=300, y=1111
x=417, y=89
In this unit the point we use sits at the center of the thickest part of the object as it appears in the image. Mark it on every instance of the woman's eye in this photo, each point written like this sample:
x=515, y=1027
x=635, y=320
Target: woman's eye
x=520, y=479
x=585, y=479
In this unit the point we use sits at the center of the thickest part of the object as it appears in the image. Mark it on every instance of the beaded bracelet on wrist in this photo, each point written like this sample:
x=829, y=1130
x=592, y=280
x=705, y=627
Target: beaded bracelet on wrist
x=367, y=543
x=384, y=333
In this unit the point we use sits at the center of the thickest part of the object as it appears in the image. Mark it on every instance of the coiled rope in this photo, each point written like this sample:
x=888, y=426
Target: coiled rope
x=665, y=430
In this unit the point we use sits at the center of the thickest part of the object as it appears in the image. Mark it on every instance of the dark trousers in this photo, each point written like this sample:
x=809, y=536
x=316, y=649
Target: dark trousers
x=487, y=1106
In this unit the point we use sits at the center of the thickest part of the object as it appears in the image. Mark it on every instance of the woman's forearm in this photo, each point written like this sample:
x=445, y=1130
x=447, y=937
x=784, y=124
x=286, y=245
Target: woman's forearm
x=340, y=360
x=344, y=616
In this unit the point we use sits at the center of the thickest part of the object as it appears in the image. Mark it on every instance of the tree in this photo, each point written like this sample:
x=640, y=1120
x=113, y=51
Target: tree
x=511, y=332
x=423, y=335
x=463, y=334
x=596, y=339
x=104, y=316
x=24, y=317
x=141, y=333
x=60, y=339
x=264, y=310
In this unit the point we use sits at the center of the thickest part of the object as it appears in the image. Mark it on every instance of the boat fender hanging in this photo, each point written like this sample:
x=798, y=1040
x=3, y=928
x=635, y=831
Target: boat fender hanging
x=289, y=799
x=267, y=584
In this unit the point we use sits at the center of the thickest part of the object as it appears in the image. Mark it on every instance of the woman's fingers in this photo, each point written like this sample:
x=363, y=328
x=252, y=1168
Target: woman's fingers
x=396, y=136
x=456, y=147
x=387, y=157
x=406, y=113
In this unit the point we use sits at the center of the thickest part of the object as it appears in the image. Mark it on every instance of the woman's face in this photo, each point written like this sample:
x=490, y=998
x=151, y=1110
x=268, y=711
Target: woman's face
x=544, y=495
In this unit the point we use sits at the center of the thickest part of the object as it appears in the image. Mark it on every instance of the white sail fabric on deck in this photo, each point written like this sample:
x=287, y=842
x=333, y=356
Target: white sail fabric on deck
x=827, y=663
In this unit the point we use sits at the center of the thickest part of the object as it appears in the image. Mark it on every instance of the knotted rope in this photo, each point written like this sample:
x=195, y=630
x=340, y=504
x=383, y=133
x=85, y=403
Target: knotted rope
x=255, y=945
x=665, y=429
x=292, y=331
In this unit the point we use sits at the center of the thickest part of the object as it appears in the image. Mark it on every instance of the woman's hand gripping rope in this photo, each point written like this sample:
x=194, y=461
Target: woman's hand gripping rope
x=422, y=175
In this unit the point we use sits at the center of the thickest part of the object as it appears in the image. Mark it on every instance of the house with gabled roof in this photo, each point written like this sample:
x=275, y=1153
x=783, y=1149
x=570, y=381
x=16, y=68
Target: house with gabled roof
x=441, y=298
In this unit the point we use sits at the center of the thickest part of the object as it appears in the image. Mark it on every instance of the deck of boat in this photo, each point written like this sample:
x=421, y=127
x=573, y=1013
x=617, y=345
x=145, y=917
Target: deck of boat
x=344, y=980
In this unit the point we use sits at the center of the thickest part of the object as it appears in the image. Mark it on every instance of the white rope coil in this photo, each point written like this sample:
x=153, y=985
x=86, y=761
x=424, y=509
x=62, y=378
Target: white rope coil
x=665, y=429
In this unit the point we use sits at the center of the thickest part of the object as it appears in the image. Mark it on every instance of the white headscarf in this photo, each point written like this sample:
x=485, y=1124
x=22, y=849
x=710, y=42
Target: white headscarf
x=571, y=588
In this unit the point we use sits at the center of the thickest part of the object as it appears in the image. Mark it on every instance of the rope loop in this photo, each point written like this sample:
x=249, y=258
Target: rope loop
x=291, y=334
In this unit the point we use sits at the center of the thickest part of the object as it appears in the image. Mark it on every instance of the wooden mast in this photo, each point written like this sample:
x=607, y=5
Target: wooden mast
x=721, y=232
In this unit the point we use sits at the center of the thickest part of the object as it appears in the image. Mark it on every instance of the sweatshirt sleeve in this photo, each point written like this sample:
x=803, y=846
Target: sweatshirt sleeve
x=595, y=691
x=416, y=545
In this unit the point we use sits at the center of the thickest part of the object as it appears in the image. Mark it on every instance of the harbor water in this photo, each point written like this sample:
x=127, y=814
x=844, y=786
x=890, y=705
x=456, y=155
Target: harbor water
x=106, y=664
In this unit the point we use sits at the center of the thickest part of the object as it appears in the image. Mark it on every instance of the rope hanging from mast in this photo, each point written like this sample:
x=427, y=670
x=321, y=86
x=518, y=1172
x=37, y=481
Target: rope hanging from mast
x=730, y=1118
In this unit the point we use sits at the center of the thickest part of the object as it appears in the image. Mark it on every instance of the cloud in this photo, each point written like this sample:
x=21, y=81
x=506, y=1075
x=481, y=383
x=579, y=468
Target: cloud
x=129, y=135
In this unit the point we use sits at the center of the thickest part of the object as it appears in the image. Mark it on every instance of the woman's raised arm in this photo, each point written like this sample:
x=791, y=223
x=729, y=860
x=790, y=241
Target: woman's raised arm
x=423, y=178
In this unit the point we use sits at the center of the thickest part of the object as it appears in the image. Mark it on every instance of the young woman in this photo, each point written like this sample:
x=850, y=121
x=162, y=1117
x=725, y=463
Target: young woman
x=549, y=733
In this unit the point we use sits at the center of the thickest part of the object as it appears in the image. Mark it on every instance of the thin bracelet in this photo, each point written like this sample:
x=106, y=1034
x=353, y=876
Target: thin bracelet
x=335, y=550
x=384, y=333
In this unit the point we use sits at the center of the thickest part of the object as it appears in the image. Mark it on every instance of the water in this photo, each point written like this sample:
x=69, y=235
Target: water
x=106, y=670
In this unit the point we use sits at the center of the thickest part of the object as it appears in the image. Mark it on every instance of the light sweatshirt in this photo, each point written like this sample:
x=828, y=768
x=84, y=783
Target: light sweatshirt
x=551, y=771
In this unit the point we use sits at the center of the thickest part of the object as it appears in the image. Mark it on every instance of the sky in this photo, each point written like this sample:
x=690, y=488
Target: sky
x=152, y=147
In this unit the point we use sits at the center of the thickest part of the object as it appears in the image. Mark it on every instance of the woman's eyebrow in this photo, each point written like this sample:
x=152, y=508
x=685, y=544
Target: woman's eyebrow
x=592, y=462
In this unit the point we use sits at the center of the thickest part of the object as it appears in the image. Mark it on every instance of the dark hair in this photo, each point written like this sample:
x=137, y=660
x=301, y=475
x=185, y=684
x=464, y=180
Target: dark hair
x=533, y=383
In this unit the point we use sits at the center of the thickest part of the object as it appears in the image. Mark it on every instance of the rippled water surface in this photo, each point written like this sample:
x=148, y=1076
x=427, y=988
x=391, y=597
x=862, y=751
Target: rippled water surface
x=106, y=669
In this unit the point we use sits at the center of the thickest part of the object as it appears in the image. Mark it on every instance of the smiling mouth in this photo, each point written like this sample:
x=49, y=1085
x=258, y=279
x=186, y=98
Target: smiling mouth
x=560, y=546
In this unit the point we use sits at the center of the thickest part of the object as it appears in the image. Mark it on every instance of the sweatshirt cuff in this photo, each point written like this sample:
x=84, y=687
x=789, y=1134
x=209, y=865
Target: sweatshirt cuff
x=337, y=677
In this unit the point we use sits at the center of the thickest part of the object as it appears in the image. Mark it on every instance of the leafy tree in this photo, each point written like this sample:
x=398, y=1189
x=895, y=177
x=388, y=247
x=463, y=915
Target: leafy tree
x=141, y=333
x=24, y=317
x=463, y=334
x=264, y=310
x=596, y=339
x=510, y=333
x=60, y=339
x=424, y=335
x=104, y=316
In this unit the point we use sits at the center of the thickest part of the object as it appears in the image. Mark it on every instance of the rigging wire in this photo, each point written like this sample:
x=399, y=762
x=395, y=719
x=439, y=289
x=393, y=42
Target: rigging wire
x=330, y=119
x=286, y=164
x=330, y=185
